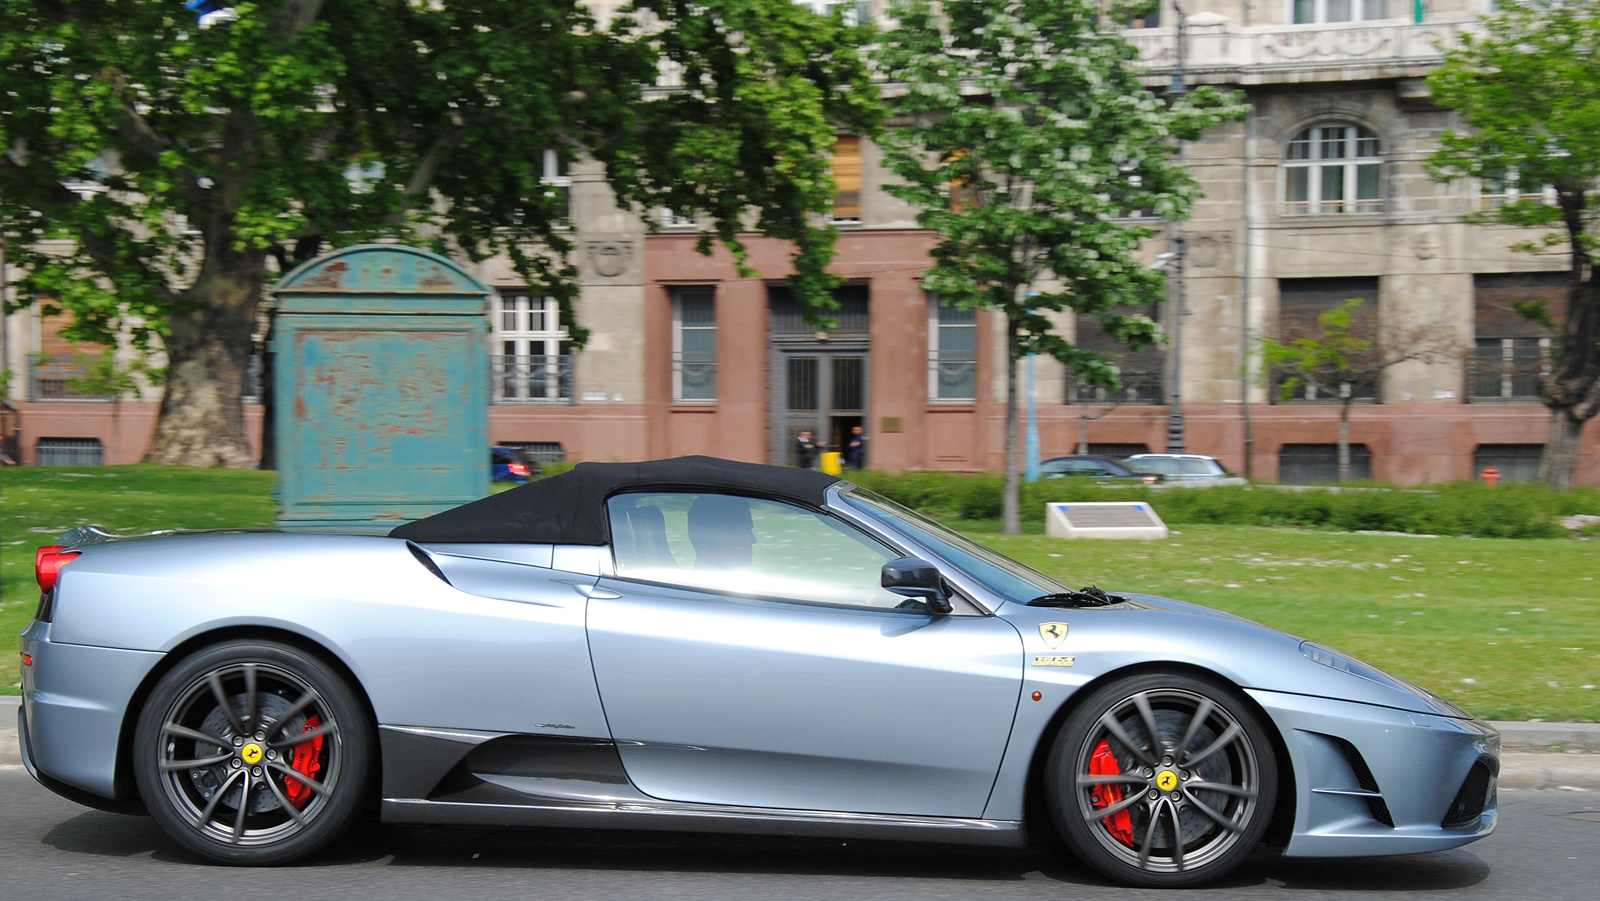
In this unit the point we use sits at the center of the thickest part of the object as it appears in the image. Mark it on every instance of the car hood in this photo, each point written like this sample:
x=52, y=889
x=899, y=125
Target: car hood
x=1147, y=629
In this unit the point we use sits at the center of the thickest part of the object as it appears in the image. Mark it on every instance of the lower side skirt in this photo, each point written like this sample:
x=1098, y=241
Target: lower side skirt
x=676, y=817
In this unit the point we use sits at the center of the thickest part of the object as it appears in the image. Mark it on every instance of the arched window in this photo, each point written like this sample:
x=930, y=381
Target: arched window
x=1333, y=169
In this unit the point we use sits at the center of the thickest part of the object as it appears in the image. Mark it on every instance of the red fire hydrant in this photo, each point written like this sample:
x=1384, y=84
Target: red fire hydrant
x=1490, y=475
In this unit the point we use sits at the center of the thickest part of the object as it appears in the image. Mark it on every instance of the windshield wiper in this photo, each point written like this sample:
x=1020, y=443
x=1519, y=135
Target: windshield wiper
x=1090, y=596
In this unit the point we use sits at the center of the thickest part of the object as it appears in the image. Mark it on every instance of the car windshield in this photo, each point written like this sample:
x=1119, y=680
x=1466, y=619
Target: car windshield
x=1005, y=577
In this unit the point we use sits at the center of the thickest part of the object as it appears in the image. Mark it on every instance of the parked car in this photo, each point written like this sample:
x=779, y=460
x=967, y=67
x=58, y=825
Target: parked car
x=507, y=464
x=1082, y=466
x=1188, y=470
x=703, y=645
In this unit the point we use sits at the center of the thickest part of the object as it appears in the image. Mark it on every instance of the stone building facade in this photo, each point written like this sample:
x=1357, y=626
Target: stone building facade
x=1319, y=196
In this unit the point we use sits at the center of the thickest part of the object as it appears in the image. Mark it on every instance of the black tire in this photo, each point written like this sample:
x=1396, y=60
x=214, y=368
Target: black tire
x=1210, y=770
x=218, y=736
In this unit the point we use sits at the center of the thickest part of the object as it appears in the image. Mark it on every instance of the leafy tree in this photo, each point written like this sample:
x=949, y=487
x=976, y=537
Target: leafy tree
x=157, y=172
x=1033, y=112
x=1340, y=359
x=1529, y=90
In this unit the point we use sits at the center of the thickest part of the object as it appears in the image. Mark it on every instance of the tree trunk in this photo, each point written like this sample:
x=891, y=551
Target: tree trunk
x=1344, y=439
x=1010, y=504
x=1572, y=389
x=202, y=413
x=1083, y=431
x=1560, y=460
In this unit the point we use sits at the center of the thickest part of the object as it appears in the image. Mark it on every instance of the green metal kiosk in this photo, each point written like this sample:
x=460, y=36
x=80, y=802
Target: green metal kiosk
x=381, y=381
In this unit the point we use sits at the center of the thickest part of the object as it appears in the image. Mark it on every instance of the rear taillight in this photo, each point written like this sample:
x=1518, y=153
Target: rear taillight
x=47, y=563
x=520, y=469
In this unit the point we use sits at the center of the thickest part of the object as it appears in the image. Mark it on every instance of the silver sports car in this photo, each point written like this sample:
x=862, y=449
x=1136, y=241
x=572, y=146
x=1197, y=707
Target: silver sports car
x=697, y=644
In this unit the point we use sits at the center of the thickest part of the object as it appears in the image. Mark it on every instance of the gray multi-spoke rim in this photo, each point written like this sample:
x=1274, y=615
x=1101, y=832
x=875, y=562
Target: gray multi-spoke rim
x=207, y=733
x=1186, y=734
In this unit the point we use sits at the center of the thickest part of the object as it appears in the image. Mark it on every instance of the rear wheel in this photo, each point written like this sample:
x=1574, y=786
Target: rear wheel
x=252, y=752
x=1162, y=780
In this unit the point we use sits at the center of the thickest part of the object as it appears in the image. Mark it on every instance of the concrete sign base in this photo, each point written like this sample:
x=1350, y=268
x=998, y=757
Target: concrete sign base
x=1132, y=519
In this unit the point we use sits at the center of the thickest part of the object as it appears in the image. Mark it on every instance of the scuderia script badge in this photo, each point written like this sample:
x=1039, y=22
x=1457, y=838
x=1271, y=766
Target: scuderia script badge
x=1053, y=633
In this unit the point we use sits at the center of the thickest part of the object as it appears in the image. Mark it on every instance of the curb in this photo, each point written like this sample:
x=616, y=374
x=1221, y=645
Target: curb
x=1550, y=756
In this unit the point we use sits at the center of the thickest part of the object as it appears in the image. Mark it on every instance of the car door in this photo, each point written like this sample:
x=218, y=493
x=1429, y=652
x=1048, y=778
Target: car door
x=746, y=655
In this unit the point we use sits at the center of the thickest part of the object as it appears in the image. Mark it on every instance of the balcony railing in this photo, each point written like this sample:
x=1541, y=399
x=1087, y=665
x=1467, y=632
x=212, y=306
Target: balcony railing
x=51, y=377
x=536, y=379
x=1222, y=45
x=1137, y=388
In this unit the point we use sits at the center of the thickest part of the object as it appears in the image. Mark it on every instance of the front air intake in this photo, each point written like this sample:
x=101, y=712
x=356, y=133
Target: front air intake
x=1473, y=797
x=1377, y=808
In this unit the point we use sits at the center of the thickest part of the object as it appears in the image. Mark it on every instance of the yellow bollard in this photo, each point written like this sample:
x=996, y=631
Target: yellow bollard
x=832, y=463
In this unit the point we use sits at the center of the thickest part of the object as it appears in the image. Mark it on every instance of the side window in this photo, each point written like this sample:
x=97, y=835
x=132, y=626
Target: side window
x=749, y=547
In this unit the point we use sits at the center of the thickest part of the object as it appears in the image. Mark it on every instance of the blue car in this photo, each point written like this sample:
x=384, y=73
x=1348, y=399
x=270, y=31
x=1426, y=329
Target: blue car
x=703, y=645
x=506, y=464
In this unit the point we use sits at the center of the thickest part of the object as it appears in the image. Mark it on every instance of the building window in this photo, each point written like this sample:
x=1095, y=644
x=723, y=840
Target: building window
x=846, y=166
x=1305, y=464
x=1316, y=12
x=1511, y=353
x=855, y=12
x=532, y=365
x=1142, y=371
x=68, y=452
x=952, y=353
x=694, y=345
x=558, y=184
x=1514, y=462
x=1333, y=169
x=1301, y=301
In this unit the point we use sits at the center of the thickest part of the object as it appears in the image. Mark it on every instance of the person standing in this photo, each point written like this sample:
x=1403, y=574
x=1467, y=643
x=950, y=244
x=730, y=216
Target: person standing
x=855, y=450
x=805, y=449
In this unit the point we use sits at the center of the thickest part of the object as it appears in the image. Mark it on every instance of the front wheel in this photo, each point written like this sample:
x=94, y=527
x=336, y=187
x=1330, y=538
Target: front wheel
x=252, y=753
x=1162, y=780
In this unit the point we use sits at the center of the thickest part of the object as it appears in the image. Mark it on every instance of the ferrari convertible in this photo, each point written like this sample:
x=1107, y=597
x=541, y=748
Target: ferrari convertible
x=697, y=644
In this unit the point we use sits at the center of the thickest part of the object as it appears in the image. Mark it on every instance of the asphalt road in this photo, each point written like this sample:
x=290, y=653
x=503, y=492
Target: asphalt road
x=1547, y=847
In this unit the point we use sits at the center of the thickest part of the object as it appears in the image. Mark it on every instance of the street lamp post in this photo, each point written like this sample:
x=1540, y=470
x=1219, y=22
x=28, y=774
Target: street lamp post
x=1175, y=353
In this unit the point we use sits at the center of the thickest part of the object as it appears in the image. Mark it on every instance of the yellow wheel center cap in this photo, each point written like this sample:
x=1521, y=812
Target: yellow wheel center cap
x=251, y=753
x=1166, y=780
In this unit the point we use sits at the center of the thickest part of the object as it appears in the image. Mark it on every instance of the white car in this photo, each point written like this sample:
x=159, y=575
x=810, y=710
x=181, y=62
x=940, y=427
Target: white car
x=1186, y=470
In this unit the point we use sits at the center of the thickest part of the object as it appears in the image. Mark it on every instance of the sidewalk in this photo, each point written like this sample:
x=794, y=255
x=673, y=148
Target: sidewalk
x=1537, y=755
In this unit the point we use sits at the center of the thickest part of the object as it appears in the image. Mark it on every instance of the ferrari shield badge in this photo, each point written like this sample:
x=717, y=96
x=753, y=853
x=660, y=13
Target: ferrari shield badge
x=1053, y=633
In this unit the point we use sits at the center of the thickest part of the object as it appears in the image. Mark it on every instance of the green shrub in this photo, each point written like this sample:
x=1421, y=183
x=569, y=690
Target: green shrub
x=1513, y=510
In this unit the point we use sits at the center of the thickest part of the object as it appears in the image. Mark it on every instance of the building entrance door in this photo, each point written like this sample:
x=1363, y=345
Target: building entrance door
x=819, y=379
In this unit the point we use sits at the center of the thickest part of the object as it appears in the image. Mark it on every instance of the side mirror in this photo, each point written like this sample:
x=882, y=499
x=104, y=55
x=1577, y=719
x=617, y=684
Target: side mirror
x=918, y=579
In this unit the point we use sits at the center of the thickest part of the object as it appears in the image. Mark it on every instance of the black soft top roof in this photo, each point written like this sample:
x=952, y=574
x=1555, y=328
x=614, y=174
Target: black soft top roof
x=570, y=508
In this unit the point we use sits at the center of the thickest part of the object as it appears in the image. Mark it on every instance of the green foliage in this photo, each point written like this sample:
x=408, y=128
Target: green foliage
x=1337, y=354
x=1510, y=510
x=202, y=153
x=1033, y=110
x=1024, y=135
x=1529, y=90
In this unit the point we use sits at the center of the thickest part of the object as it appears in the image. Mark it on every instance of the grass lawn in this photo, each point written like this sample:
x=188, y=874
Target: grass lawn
x=37, y=504
x=1508, y=629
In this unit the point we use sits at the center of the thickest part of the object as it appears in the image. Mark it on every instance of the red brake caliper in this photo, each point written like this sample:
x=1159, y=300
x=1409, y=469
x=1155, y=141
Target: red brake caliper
x=1104, y=763
x=308, y=760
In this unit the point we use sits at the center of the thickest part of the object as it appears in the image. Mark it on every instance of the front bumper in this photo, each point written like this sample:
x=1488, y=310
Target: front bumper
x=1374, y=780
x=74, y=700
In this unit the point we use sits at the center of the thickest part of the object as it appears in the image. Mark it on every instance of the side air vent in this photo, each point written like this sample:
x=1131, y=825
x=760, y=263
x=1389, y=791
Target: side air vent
x=425, y=560
x=1472, y=798
x=1364, y=778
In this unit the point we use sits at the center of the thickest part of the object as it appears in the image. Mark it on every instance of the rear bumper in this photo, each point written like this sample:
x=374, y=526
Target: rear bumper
x=1415, y=767
x=74, y=700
